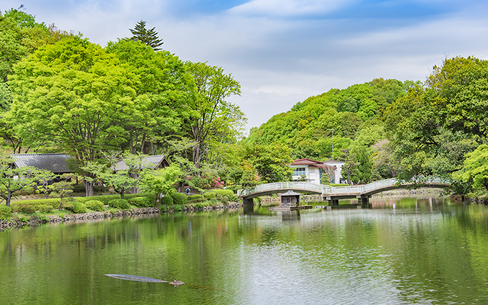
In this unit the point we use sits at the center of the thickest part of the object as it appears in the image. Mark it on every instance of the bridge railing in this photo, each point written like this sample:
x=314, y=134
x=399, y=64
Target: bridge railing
x=363, y=188
x=325, y=189
x=286, y=186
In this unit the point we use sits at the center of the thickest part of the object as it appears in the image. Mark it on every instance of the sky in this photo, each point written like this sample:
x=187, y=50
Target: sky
x=283, y=51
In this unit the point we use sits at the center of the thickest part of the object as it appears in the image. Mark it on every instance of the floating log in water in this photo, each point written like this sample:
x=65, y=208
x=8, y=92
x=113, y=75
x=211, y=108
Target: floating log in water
x=135, y=278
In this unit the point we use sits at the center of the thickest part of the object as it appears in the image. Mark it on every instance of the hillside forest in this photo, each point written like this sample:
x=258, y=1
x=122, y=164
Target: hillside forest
x=61, y=93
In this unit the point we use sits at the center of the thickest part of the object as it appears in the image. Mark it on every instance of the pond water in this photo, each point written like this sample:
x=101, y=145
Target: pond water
x=402, y=251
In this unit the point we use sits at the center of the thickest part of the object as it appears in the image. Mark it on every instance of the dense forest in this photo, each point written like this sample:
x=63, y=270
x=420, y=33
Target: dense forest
x=61, y=93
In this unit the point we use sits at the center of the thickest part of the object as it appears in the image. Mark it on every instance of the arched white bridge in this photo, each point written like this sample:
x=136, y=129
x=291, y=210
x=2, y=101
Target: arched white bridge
x=334, y=193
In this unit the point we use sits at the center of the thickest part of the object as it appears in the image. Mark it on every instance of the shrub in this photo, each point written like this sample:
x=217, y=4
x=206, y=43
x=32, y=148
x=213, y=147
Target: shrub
x=166, y=200
x=67, y=206
x=119, y=204
x=178, y=208
x=27, y=209
x=195, y=198
x=44, y=208
x=225, y=192
x=141, y=201
x=79, y=207
x=95, y=205
x=209, y=195
x=179, y=198
x=16, y=205
x=5, y=212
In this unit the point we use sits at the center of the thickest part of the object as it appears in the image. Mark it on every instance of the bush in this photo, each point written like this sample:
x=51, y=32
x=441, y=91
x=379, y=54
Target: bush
x=209, y=195
x=16, y=205
x=5, y=212
x=166, y=200
x=225, y=192
x=141, y=202
x=195, y=198
x=27, y=209
x=68, y=206
x=95, y=205
x=107, y=198
x=178, y=208
x=79, y=207
x=179, y=198
x=119, y=204
x=45, y=208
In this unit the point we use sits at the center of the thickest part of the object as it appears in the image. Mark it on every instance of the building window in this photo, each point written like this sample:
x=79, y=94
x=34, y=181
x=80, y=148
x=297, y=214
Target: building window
x=299, y=171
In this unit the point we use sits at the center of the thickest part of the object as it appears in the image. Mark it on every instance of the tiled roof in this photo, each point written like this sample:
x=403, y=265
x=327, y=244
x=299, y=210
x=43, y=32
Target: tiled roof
x=55, y=163
x=312, y=163
x=149, y=162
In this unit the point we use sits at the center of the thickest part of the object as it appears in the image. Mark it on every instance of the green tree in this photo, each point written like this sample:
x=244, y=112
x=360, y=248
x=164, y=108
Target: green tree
x=15, y=179
x=270, y=162
x=214, y=113
x=123, y=180
x=459, y=92
x=161, y=181
x=475, y=169
x=75, y=94
x=163, y=93
x=147, y=37
x=12, y=50
x=62, y=188
x=43, y=181
x=424, y=143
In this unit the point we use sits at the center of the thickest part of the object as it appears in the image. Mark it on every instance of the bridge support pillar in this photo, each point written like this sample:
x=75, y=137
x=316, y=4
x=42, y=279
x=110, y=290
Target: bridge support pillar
x=363, y=201
x=248, y=202
x=332, y=201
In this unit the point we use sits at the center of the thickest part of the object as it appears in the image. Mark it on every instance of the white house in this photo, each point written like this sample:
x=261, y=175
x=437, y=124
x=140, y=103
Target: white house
x=310, y=170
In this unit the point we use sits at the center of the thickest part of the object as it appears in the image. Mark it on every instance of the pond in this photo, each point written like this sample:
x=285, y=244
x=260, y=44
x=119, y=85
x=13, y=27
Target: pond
x=402, y=251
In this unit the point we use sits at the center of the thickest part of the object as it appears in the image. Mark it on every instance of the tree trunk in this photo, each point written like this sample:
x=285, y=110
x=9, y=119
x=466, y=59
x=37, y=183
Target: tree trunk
x=9, y=198
x=60, y=202
x=88, y=188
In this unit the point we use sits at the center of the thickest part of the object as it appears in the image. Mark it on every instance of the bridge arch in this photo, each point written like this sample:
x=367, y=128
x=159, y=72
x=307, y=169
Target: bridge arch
x=333, y=194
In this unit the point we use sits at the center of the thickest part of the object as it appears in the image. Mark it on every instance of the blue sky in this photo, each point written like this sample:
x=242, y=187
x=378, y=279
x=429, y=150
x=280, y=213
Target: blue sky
x=283, y=51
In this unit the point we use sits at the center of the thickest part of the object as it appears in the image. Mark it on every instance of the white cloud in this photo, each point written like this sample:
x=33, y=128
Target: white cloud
x=289, y=7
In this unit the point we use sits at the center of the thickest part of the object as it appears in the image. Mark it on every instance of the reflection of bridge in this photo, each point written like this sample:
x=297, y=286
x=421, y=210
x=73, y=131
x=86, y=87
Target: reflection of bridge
x=332, y=194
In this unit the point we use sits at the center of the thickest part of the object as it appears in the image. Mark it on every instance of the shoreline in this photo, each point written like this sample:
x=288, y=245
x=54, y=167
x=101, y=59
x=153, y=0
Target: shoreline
x=95, y=216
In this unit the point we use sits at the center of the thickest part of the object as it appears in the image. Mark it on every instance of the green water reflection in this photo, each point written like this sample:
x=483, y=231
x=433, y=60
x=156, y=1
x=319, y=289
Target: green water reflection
x=404, y=250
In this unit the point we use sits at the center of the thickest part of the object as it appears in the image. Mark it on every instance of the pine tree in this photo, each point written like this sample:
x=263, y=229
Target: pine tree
x=148, y=37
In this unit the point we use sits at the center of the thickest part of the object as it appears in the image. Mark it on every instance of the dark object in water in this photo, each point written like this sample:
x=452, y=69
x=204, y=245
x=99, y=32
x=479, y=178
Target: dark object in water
x=135, y=278
x=176, y=283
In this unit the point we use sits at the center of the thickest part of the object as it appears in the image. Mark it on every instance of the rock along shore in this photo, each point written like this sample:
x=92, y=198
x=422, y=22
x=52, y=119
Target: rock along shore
x=94, y=216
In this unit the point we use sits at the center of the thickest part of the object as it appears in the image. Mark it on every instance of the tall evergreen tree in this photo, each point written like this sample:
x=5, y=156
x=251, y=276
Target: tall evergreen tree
x=147, y=37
